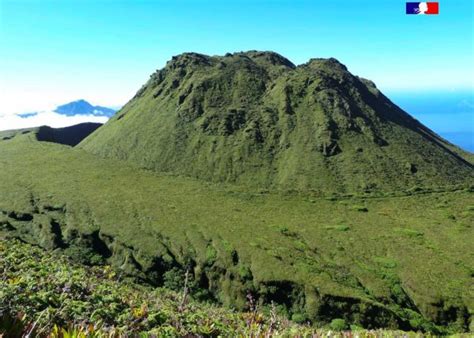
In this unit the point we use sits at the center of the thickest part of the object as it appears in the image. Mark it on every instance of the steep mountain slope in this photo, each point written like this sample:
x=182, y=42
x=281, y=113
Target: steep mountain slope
x=68, y=135
x=402, y=261
x=257, y=120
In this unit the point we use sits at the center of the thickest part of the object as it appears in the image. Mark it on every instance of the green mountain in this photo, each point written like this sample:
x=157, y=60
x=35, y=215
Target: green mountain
x=257, y=120
x=303, y=187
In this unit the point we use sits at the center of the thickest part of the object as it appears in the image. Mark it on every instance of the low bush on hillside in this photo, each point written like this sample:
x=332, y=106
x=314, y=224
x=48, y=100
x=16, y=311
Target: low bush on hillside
x=360, y=208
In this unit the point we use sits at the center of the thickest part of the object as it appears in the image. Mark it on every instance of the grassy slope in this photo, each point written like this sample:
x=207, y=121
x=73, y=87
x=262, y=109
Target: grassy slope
x=63, y=297
x=257, y=120
x=49, y=289
x=320, y=258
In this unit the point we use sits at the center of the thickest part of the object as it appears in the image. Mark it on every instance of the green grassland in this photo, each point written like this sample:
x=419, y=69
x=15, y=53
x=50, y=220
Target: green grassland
x=394, y=260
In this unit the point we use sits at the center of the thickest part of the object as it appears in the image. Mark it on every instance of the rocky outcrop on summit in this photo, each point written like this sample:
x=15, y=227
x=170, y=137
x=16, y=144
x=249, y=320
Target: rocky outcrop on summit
x=256, y=119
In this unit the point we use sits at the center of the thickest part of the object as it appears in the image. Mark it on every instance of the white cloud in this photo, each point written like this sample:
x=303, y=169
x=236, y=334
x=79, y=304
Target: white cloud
x=48, y=118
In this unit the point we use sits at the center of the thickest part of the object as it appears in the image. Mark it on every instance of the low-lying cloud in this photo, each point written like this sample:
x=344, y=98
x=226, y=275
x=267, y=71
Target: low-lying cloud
x=45, y=118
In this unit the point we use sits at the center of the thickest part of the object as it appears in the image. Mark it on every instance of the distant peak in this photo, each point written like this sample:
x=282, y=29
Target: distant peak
x=81, y=101
x=82, y=107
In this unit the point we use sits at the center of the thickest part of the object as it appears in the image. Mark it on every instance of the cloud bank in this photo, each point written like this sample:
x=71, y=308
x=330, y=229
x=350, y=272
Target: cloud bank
x=48, y=118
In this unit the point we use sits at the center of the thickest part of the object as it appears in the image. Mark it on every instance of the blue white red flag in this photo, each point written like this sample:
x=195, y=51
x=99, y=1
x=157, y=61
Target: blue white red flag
x=422, y=8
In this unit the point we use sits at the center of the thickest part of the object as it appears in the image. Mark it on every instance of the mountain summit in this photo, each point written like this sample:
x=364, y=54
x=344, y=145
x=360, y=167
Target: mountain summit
x=256, y=119
x=82, y=107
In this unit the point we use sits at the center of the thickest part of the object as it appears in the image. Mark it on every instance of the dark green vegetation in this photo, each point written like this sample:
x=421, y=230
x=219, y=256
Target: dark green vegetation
x=68, y=135
x=311, y=190
x=56, y=297
x=258, y=120
x=55, y=293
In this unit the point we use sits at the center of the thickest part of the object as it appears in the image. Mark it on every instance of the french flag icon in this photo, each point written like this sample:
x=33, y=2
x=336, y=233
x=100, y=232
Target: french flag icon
x=421, y=8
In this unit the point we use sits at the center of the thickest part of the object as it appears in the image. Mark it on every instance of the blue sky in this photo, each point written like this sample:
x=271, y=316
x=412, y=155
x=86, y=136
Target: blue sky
x=53, y=52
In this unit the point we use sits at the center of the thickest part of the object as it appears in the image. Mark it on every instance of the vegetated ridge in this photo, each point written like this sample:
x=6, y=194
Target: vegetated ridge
x=257, y=120
x=70, y=136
